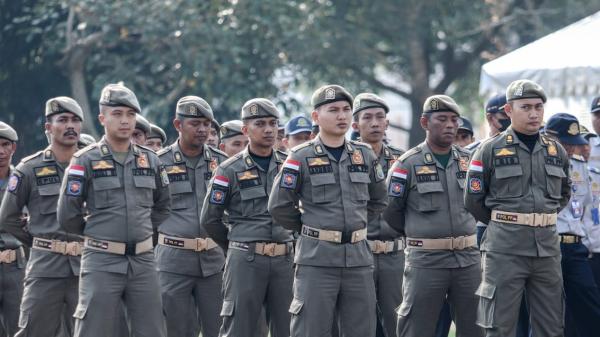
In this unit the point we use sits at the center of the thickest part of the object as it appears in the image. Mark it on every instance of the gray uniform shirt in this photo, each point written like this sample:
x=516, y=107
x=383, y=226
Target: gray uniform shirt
x=125, y=202
x=35, y=184
x=425, y=201
x=315, y=189
x=245, y=198
x=504, y=175
x=7, y=240
x=570, y=218
x=188, y=184
x=378, y=228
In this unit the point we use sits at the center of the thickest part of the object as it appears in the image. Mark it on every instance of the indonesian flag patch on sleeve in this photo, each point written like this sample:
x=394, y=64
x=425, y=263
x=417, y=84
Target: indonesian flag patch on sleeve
x=476, y=166
x=219, y=190
x=76, y=170
x=292, y=164
x=399, y=173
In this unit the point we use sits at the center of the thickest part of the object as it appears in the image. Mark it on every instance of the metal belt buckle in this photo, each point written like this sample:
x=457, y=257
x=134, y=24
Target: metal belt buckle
x=269, y=249
x=201, y=244
x=73, y=249
x=8, y=256
x=380, y=247
x=59, y=247
x=538, y=219
x=459, y=243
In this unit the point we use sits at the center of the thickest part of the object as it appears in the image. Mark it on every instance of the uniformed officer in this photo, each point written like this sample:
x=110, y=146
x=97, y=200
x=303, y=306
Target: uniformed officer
x=213, y=135
x=12, y=253
x=517, y=182
x=425, y=188
x=327, y=190
x=190, y=264
x=297, y=131
x=582, y=310
x=124, y=189
x=259, y=264
x=157, y=138
x=141, y=131
x=85, y=140
x=592, y=223
x=279, y=144
x=52, y=271
x=594, y=164
x=370, y=120
x=464, y=135
x=233, y=141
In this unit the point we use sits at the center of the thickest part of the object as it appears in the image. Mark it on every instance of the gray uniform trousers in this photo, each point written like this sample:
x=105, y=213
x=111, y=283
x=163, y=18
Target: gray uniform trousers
x=389, y=269
x=251, y=281
x=176, y=291
x=44, y=304
x=424, y=292
x=100, y=303
x=11, y=290
x=321, y=291
x=504, y=277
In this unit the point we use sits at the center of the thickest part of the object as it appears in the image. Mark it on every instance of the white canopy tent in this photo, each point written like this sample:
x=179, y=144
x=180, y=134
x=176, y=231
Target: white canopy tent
x=565, y=63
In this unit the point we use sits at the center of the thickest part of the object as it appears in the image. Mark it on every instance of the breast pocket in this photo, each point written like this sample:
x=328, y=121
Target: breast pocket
x=145, y=187
x=509, y=184
x=254, y=200
x=360, y=186
x=104, y=191
x=554, y=176
x=322, y=190
x=430, y=196
x=181, y=195
x=49, y=196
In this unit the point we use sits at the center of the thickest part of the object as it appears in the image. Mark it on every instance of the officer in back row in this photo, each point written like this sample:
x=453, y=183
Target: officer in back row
x=517, y=182
x=233, y=141
x=582, y=309
x=190, y=264
x=12, y=252
x=369, y=116
x=124, y=189
x=156, y=138
x=52, y=272
x=328, y=190
x=259, y=263
x=425, y=188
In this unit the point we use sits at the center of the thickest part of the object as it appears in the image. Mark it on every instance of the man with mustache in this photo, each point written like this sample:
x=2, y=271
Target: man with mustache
x=328, y=190
x=190, y=263
x=52, y=273
x=425, y=187
x=259, y=251
x=369, y=116
x=116, y=194
x=517, y=182
x=12, y=253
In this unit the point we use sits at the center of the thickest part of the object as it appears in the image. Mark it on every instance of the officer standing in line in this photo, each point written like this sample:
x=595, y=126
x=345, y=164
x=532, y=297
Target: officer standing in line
x=464, y=135
x=124, y=188
x=594, y=165
x=297, y=131
x=157, y=138
x=190, y=264
x=327, y=191
x=517, y=182
x=592, y=223
x=582, y=310
x=233, y=141
x=279, y=144
x=141, y=131
x=425, y=187
x=85, y=140
x=259, y=263
x=213, y=135
x=370, y=120
x=52, y=273
x=12, y=253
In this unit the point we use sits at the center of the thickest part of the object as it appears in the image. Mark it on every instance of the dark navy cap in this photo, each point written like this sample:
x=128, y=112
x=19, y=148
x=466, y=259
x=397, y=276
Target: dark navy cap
x=298, y=124
x=496, y=104
x=565, y=127
x=466, y=125
x=595, y=105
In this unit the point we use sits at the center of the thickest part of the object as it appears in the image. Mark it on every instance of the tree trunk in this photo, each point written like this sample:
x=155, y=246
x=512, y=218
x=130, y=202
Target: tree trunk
x=79, y=93
x=416, y=134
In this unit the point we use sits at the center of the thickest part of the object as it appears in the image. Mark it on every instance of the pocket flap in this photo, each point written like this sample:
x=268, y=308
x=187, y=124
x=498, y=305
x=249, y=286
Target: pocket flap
x=106, y=183
x=322, y=179
x=555, y=171
x=180, y=187
x=360, y=177
x=404, y=309
x=502, y=172
x=296, y=306
x=227, y=309
x=252, y=193
x=486, y=290
x=80, y=311
x=52, y=189
x=144, y=182
x=430, y=187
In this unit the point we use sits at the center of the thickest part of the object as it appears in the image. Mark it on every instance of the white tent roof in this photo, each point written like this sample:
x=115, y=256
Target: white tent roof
x=565, y=63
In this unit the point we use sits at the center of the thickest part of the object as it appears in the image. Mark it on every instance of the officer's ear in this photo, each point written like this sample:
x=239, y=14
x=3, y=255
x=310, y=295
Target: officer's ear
x=355, y=126
x=177, y=124
x=245, y=128
x=286, y=141
x=508, y=109
x=221, y=146
x=424, y=121
x=315, y=116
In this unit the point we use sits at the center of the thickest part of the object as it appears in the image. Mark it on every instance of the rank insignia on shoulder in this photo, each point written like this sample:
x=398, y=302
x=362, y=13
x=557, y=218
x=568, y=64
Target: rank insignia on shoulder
x=428, y=158
x=509, y=139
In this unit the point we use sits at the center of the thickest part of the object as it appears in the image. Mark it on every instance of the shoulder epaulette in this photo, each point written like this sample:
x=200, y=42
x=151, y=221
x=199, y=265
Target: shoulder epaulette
x=143, y=147
x=30, y=157
x=232, y=160
x=282, y=153
x=217, y=151
x=301, y=146
x=593, y=169
x=578, y=157
x=354, y=142
x=395, y=149
x=84, y=150
x=410, y=153
x=163, y=150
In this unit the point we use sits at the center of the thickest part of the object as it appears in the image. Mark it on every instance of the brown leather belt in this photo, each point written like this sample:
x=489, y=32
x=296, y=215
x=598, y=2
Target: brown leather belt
x=197, y=244
x=72, y=248
x=119, y=248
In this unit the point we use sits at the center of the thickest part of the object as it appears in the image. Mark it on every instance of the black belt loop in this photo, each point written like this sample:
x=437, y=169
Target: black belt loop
x=395, y=247
x=251, y=251
x=289, y=250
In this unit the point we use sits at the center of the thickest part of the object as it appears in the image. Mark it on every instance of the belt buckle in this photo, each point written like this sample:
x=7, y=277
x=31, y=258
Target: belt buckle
x=6, y=256
x=200, y=244
x=269, y=249
x=538, y=219
x=59, y=247
x=458, y=243
x=380, y=247
x=73, y=248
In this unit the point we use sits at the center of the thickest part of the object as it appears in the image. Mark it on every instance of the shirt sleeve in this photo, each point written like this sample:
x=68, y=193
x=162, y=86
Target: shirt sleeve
x=284, y=198
x=11, y=212
x=216, y=201
x=478, y=182
x=397, y=182
x=73, y=193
